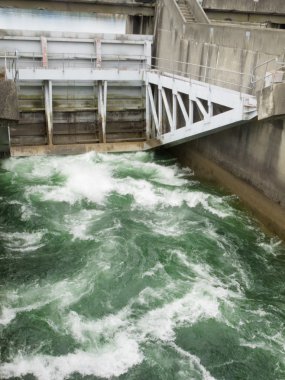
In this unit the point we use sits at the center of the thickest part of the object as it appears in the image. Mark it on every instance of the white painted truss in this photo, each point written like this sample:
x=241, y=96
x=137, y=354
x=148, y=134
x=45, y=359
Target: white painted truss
x=237, y=108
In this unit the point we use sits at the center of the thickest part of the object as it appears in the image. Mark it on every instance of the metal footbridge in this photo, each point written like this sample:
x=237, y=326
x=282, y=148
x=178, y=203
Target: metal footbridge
x=174, y=106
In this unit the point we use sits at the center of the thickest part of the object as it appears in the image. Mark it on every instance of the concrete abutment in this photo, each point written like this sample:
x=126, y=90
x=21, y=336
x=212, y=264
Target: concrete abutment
x=249, y=160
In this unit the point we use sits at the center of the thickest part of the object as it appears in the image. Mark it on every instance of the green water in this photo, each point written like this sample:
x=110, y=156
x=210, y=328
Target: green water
x=125, y=266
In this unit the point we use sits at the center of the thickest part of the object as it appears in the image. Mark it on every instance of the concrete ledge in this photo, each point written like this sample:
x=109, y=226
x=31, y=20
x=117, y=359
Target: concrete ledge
x=271, y=101
x=128, y=7
x=260, y=6
x=268, y=212
x=43, y=150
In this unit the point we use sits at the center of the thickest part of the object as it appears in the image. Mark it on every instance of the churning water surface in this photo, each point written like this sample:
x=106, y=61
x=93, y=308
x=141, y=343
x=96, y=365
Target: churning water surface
x=125, y=266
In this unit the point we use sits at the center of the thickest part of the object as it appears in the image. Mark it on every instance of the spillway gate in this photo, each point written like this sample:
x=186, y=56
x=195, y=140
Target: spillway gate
x=107, y=93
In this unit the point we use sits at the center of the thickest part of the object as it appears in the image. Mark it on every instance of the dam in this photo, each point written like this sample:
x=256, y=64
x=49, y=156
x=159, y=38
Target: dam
x=142, y=189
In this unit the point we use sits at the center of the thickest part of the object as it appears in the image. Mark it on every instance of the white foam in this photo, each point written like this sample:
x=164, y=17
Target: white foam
x=148, y=294
x=112, y=360
x=119, y=352
x=79, y=224
x=84, y=178
x=7, y=315
x=90, y=176
x=160, y=323
x=83, y=329
x=27, y=211
x=195, y=362
x=64, y=293
x=143, y=192
x=92, y=182
x=153, y=271
x=166, y=175
x=123, y=334
x=209, y=202
x=23, y=241
x=182, y=257
x=168, y=226
x=202, y=301
x=272, y=247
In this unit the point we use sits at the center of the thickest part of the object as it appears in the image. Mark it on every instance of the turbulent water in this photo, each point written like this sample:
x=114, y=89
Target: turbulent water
x=125, y=266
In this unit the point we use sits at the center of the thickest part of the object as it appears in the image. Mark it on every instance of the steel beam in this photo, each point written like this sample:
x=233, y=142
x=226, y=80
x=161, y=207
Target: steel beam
x=78, y=74
x=174, y=112
x=191, y=112
x=167, y=109
x=153, y=108
x=199, y=129
x=159, y=112
x=182, y=107
x=147, y=113
x=220, y=95
x=201, y=108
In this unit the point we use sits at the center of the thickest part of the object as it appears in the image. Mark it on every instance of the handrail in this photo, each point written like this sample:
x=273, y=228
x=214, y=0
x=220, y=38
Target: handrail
x=202, y=66
x=244, y=80
x=66, y=60
x=279, y=65
x=196, y=76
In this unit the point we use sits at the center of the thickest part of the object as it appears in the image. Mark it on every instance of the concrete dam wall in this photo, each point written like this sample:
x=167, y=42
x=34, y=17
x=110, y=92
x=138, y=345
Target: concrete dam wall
x=227, y=55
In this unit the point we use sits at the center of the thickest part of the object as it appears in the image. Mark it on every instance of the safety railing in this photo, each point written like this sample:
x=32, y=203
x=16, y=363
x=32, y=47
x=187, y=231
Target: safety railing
x=267, y=73
x=249, y=82
x=240, y=81
x=63, y=61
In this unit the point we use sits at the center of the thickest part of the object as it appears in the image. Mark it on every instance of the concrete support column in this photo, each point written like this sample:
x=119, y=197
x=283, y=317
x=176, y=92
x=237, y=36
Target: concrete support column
x=48, y=110
x=102, y=110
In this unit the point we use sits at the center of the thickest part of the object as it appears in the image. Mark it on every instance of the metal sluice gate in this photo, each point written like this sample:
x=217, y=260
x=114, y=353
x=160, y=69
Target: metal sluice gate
x=107, y=93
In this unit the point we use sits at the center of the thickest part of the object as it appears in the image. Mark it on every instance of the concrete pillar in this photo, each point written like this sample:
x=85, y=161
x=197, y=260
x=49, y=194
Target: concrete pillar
x=102, y=110
x=48, y=111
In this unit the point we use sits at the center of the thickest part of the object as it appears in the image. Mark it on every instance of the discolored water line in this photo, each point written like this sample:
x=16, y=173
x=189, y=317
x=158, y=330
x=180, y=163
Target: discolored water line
x=125, y=266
